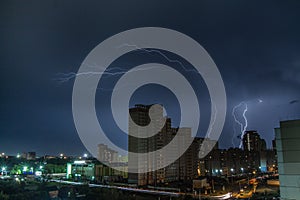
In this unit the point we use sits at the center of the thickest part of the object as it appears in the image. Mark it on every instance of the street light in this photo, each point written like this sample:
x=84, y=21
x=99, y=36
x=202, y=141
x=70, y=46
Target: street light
x=4, y=170
x=85, y=155
x=25, y=168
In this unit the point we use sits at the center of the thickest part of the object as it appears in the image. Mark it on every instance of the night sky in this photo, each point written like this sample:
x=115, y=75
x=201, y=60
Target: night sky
x=255, y=44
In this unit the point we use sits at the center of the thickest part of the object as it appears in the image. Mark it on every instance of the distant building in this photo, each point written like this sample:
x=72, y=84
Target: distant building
x=29, y=155
x=288, y=149
x=189, y=163
x=253, y=142
x=235, y=161
x=271, y=160
x=256, y=147
x=107, y=155
x=212, y=162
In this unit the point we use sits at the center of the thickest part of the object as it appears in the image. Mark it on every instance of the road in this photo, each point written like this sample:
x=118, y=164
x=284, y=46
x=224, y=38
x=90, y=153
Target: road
x=145, y=191
x=156, y=192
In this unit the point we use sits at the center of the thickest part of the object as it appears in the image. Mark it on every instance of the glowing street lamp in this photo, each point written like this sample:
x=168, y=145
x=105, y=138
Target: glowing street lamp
x=85, y=155
x=4, y=170
x=25, y=168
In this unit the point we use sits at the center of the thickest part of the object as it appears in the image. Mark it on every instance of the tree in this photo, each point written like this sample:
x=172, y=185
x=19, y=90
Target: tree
x=17, y=169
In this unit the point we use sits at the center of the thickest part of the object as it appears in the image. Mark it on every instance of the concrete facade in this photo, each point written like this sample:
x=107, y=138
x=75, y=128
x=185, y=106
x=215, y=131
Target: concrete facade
x=288, y=152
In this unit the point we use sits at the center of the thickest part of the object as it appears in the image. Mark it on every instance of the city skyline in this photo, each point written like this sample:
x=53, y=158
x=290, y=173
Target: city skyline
x=105, y=148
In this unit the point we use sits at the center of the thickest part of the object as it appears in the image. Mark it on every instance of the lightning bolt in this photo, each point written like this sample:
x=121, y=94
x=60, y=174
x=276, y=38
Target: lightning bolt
x=243, y=125
x=66, y=77
x=135, y=47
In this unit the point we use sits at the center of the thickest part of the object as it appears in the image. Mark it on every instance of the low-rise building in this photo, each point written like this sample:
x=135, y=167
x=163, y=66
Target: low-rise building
x=93, y=170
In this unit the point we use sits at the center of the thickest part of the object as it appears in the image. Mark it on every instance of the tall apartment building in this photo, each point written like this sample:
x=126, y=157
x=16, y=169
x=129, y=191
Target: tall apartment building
x=140, y=116
x=253, y=142
x=255, y=148
x=184, y=168
x=288, y=149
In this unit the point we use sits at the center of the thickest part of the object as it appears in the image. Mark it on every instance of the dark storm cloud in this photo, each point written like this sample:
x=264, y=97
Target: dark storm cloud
x=255, y=44
x=294, y=101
